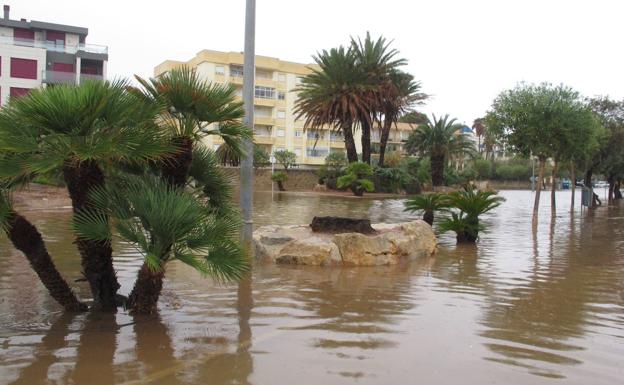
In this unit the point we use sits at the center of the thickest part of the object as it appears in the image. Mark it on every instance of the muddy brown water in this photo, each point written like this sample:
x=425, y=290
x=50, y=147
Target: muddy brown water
x=522, y=307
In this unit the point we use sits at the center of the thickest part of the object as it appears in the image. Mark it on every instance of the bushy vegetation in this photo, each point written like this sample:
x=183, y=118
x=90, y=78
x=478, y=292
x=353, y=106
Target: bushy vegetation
x=357, y=178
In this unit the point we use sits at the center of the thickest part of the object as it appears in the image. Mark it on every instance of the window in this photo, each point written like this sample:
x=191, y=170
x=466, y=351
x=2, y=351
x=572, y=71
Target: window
x=23, y=68
x=220, y=70
x=236, y=71
x=279, y=149
x=315, y=135
x=281, y=95
x=281, y=114
x=22, y=36
x=17, y=92
x=316, y=152
x=298, y=134
x=281, y=78
x=265, y=92
x=280, y=132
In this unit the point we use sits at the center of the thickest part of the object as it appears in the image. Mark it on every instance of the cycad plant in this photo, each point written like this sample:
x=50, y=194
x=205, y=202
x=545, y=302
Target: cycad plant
x=438, y=140
x=428, y=204
x=357, y=178
x=471, y=203
x=80, y=130
x=163, y=223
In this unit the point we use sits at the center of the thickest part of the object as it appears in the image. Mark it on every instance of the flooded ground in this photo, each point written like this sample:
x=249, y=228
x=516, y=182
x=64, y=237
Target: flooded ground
x=523, y=307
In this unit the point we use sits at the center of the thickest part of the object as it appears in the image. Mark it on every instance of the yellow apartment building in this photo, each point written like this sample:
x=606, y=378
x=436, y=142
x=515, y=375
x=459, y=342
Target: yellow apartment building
x=275, y=124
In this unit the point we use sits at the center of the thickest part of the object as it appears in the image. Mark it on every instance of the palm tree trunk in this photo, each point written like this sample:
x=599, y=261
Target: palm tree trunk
x=573, y=186
x=553, y=187
x=144, y=296
x=347, y=131
x=611, y=190
x=428, y=217
x=97, y=257
x=28, y=240
x=437, y=170
x=538, y=186
x=176, y=169
x=366, y=140
x=385, y=134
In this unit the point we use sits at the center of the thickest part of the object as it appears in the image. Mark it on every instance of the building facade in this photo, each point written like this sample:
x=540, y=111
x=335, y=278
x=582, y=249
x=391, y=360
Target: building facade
x=276, y=126
x=35, y=53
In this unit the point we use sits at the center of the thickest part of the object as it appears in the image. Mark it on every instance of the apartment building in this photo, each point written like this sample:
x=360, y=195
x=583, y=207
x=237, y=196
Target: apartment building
x=35, y=53
x=276, y=126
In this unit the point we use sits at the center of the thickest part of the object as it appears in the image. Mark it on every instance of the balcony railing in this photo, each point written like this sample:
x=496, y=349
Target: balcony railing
x=58, y=77
x=90, y=77
x=52, y=46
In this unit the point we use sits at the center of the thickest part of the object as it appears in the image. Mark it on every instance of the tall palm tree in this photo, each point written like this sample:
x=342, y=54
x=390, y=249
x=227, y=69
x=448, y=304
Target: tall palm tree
x=479, y=127
x=163, y=223
x=81, y=130
x=336, y=95
x=439, y=139
x=379, y=65
x=400, y=93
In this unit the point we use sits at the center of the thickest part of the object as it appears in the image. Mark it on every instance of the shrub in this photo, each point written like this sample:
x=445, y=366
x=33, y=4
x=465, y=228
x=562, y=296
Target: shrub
x=483, y=168
x=261, y=157
x=286, y=158
x=428, y=204
x=357, y=177
x=279, y=177
x=471, y=203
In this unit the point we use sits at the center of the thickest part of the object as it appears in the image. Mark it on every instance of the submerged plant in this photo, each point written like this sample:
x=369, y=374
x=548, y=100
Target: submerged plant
x=279, y=177
x=471, y=203
x=428, y=204
x=163, y=223
x=357, y=178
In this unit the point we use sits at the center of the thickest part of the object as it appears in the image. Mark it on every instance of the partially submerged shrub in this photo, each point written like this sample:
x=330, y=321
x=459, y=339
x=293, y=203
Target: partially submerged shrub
x=428, y=204
x=357, y=178
x=279, y=177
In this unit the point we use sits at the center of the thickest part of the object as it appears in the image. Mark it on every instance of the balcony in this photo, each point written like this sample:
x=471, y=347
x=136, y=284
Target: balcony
x=52, y=46
x=265, y=121
x=90, y=77
x=58, y=77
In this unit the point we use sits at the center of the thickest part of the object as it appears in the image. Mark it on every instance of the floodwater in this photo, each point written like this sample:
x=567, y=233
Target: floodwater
x=522, y=307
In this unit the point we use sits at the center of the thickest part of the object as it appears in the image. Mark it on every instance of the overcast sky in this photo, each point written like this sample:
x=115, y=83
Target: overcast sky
x=463, y=51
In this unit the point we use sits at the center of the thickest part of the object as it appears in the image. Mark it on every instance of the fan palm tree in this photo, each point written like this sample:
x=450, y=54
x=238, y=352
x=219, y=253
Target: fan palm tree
x=28, y=240
x=378, y=64
x=163, y=223
x=80, y=130
x=438, y=139
x=428, y=204
x=336, y=95
x=479, y=127
x=191, y=109
x=471, y=203
x=400, y=93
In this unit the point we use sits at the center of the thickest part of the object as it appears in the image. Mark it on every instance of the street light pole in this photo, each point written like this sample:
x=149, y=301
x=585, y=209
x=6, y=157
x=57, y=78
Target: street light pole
x=246, y=172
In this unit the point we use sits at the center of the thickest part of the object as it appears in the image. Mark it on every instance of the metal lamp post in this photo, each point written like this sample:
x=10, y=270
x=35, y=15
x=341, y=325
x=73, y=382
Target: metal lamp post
x=246, y=172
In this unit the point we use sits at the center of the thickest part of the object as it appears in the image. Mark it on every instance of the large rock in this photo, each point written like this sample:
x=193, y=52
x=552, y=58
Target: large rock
x=310, y=251
x=389, y=245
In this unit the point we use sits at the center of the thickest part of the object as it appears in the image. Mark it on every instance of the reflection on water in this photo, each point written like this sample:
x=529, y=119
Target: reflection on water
x=526, y=305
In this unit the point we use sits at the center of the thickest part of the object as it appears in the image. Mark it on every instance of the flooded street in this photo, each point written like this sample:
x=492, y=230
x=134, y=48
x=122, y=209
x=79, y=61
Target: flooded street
x=522, y=307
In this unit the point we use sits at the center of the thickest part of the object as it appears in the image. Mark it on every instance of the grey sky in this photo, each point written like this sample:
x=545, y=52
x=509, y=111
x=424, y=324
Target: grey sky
x=463, y=51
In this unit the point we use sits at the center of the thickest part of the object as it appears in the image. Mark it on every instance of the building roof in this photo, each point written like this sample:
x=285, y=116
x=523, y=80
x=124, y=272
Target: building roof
x=42, y=25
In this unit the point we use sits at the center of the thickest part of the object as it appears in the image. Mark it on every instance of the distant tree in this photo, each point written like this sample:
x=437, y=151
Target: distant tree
x=413, y=117
x=438, y=140
x=286, y=158
x=535, y=120
x=608, y=156
x=479, y=128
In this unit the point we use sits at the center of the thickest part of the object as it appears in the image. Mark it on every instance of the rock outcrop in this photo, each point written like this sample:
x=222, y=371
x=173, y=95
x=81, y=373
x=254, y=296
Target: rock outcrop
x=388, y=245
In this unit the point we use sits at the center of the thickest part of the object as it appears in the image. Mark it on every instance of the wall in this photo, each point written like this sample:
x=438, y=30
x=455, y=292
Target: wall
x=298, y=180
x=6, y=81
